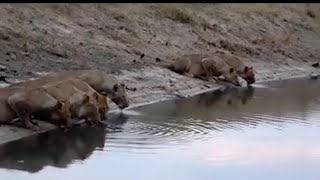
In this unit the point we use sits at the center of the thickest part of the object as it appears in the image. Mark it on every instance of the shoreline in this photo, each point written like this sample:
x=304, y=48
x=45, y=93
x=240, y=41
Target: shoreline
x=12, y=133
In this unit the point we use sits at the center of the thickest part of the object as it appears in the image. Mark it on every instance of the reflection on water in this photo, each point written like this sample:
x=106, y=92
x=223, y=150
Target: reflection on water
x=56, y=148
x=244, y=133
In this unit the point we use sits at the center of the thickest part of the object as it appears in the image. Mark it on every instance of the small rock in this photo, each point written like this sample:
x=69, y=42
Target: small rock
x=142, y=55
x=157, y=59
x=131, y=89
x=25, y=53
x=134, y=61
x=11, y=55
x=314, y=75
x=3, y=68
x=311, y=13
x=316, y=65
x=179, y=95
x=212, y=44
x=229, y=102
x=3, y=78
x=6, y=38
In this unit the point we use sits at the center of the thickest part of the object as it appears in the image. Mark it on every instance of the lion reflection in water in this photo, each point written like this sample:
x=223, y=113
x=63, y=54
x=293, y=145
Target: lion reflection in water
x=55, y=148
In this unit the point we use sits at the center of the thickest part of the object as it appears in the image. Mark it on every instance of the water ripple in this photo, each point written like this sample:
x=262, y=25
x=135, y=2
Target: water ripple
x=202, y=127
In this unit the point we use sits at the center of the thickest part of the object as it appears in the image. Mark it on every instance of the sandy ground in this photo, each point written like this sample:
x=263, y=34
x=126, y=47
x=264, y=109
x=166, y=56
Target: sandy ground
x=279, y=40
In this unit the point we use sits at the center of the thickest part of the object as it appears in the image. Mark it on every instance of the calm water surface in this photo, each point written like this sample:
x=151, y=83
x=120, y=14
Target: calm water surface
x=267, y=132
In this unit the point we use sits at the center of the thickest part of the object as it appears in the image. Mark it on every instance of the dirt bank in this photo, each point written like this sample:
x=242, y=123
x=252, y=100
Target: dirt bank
x=279, y=40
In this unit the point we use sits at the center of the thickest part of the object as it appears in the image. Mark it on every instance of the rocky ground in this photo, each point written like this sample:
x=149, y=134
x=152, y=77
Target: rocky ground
x=279, y=40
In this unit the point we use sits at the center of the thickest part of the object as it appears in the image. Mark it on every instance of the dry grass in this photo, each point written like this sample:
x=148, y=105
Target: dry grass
x=178, y=13
x=257, y=7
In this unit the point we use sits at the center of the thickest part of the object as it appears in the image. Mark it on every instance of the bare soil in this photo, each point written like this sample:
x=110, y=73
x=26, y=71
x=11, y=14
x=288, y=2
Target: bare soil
x=279, y=40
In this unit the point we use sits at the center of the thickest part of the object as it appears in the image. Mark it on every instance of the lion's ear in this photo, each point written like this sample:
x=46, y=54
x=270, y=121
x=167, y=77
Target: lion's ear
x=246, y=69
x=59, y=105
x=96, y=96
x=86, y=99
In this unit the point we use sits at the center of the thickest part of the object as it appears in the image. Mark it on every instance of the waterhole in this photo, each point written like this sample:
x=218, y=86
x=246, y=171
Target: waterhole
x=269, y=131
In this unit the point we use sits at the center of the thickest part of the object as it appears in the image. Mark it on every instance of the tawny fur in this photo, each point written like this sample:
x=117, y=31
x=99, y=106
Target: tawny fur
x=26, y=101
x=203, y=66
x=23, y=104
x=7, y=114
x=245, y=72
x=83, y=104
x=99, y=100
x=214, y=66
x=97, y=79
x=190, y=65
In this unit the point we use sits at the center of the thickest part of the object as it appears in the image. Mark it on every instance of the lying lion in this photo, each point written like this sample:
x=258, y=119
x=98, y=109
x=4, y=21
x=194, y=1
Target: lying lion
x=203, y=67
x=20, y=101
x=245, y=72
x=192, y=65
x=97, y=79
x=214, y=66
x=80, y=104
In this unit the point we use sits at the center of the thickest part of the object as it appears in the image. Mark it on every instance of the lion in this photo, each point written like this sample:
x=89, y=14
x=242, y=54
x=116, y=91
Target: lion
x=100, y=100
x=204, y=67
x=245, y=72
x=24, y=104
x=97, y=79
x=82, y=101
x=7, y=114
x=35, y=101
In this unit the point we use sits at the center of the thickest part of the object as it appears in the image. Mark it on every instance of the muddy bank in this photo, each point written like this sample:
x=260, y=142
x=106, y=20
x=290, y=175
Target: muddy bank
x=279, y=40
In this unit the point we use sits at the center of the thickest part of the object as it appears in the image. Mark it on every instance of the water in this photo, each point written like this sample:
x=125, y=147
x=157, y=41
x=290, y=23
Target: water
x=269, y=132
